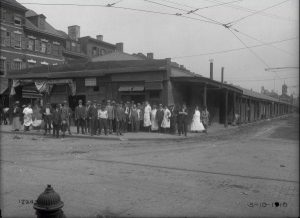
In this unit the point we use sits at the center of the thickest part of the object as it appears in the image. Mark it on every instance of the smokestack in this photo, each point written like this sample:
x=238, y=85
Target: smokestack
x=222, y=75
x=211, y=68
x=119, y=46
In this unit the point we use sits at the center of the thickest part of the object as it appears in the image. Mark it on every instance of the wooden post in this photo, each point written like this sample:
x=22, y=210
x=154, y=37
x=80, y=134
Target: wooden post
x=234, y=105
x=205, y=95
x=226, y=108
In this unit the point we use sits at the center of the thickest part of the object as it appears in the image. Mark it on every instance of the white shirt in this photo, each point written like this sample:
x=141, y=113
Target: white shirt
x=102, y=114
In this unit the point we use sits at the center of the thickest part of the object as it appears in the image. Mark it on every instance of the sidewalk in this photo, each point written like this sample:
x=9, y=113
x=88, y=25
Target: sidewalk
x=214, y=129
x=130, y=136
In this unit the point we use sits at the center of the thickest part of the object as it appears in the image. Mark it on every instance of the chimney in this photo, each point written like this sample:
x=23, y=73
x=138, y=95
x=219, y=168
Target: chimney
x=99, y=37
x=119, y=46
x=150, y=55
x=74, y=32
x=222, y=75
x=41, y=20
x=211, y=68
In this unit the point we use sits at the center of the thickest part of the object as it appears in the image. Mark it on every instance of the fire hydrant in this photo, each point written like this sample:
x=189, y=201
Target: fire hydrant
x=49, y=205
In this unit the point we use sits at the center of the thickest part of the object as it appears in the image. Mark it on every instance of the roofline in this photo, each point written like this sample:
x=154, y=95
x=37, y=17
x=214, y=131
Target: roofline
x=98, y=41
x=43, y=32
x=21, y=7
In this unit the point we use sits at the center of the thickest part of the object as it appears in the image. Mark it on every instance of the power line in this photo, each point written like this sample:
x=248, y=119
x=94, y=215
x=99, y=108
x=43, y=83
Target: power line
x=235, y=49
x=256, y=12
x=257, y=80
x=187, y=11
x=117, y=7
x=260, y=41
x=280, y=68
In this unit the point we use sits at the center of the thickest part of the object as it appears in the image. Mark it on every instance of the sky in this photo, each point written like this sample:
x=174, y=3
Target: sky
x=193, y=39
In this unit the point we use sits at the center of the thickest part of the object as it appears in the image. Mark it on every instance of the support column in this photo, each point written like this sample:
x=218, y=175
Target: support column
x=226, y=108
x=205, y=95
x=234, y=105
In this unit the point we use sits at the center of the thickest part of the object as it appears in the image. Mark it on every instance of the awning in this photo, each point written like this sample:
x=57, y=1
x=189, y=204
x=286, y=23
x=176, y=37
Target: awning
x=30, y=92
x=3, y=85
x=131, y=88
x=125, y=88
x=153, y=86
x=138, y=88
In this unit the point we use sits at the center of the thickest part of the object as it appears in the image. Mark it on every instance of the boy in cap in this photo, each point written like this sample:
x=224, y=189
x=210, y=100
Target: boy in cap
x=87, y=120
x=46, y=113
x=80, y=116
x=56, y=121
x=93, y=115
x=120, y=118
x=66, y=113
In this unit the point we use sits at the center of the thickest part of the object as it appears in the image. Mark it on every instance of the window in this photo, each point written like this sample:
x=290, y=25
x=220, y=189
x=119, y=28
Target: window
x=30, y=45
x=17, y=65
x=3, y=36
x=30, y=65
x=7, y=65
x=3, y=14
x=49, y=47
x=7, y=39
x=94, y=52
x=2, y=67
x=37, y=45
x=18, y=40
x=18, y=21
x=55, y=50
x=102, y=52
x=43, y=47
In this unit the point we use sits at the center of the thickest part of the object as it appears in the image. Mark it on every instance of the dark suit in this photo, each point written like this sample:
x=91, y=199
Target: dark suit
x=80, y=116
x=56, y=122
x=93, y=117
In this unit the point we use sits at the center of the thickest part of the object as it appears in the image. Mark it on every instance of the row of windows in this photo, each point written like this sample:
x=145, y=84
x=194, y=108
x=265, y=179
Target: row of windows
x=17, y=40
x=97, y=51
x=11, y=17
x=18, y=65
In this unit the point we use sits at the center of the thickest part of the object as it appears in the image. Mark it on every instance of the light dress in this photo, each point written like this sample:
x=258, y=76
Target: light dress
x=27, y=116
x=196, y=123
x=147, y=119
x=154, y=123
x=166, y=120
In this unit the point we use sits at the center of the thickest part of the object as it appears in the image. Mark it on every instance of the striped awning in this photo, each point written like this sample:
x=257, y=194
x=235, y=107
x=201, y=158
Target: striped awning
x=30, y=92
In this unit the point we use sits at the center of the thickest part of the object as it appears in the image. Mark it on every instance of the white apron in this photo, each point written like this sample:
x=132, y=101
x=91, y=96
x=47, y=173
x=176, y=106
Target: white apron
x=166, y=120
x=27, y=116
x=147, y=119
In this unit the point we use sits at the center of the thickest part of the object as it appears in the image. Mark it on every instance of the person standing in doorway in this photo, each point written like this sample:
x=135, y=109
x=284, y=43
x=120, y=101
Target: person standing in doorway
x=17, y=113
x=46, y=111
x=27, y=117
x=80, y=116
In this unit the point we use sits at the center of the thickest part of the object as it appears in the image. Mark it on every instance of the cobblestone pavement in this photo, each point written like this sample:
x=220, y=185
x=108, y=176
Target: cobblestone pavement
x=249, y=171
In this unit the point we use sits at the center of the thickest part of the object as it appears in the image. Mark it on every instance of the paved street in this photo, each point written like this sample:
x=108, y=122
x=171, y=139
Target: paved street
x=248, y=171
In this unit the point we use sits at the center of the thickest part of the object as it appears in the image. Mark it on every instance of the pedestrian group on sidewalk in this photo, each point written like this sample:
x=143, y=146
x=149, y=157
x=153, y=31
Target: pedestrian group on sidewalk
x=110, y=117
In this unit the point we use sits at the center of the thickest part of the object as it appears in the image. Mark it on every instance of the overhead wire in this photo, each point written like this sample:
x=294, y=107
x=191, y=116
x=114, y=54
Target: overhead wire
x=117, y=7
x=260, y=41
x=256, y=12
x=235, y=49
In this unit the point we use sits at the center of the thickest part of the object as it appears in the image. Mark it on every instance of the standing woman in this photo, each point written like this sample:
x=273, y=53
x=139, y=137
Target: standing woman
x=166, y=120
x=147, y=116
x=27, y=117
x=197, y=125
x=37, y=115
x=17, y=113
x=154, y=123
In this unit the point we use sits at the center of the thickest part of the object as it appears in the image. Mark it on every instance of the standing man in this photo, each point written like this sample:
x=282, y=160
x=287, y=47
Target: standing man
x=56, y=121
x=173, y=119
x=110, y=113
x=93, y=115
x=80, y=116
x=183, y=120
x=102, y=117
x=66, y=113
x=160, y=117
x=205, y=119
x=120, y=119
x=87, y=120
x=17, y=113
x=127, y=112
x=46, y=111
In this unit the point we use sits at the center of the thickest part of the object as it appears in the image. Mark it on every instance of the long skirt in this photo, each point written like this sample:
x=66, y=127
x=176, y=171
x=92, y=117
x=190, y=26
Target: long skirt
x=16, y=124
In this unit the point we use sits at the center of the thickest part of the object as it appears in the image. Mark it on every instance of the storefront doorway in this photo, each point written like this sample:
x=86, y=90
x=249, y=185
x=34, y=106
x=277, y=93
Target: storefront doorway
x=137, y=98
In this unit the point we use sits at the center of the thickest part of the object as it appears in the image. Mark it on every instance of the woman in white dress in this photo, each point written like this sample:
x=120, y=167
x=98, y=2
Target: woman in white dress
x=154, y=123
x=27, y=117
x=197, y=125
x=147, y=116
x=166, y=120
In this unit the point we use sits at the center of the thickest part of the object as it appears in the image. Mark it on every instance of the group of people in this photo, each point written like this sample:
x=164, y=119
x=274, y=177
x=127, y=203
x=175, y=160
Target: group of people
x=110, y=117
